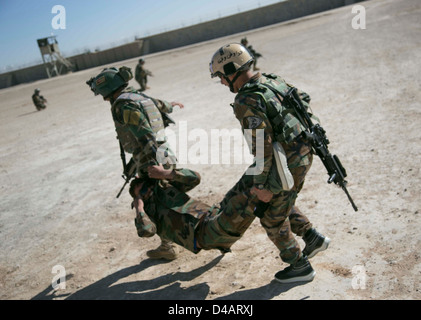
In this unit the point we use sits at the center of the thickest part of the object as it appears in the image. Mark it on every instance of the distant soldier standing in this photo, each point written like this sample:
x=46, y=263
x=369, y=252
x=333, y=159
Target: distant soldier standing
x=139, y=124
x=141, y=75
x=39, y=101
x=253, y=52
x=259, y=109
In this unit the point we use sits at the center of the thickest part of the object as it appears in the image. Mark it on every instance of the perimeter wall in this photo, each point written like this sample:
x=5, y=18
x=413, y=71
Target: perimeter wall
x=241, y=22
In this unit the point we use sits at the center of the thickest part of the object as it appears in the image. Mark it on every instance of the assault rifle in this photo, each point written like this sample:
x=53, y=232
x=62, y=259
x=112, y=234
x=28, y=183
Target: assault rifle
x=129, y=170
x=317, y=137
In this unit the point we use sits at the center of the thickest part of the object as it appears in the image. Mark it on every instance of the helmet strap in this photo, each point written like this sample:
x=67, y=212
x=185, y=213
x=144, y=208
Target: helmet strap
x=231, y=83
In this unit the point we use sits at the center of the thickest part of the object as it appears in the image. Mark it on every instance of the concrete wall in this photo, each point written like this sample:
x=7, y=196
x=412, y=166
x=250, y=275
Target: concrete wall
x=241, y=22
x=89, y=60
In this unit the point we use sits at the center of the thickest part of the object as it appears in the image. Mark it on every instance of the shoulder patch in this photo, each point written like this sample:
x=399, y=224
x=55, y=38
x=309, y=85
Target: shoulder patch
x=131, y=117
x=252, y=122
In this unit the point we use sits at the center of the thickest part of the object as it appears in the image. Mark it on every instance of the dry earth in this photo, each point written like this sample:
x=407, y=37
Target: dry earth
x=60, y=171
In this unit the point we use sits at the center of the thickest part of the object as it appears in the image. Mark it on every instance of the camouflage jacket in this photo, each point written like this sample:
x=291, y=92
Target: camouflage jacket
x=38, y=100
x=134, y=127
x=256, y=107
x=141, y=72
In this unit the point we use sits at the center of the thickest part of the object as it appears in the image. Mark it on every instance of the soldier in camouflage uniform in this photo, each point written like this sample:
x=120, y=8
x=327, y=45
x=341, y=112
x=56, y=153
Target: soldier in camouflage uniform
x=141, y=75
x=186, y=221
x=259, y=109
x=39, y=101
x=253, y=52
x=139, y=123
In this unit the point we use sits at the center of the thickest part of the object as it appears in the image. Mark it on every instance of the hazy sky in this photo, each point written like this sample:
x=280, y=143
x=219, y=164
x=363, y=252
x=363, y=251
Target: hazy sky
x=98, y=24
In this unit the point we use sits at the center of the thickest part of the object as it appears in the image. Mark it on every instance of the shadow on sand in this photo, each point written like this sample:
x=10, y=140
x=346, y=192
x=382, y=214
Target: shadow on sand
x=165, y=287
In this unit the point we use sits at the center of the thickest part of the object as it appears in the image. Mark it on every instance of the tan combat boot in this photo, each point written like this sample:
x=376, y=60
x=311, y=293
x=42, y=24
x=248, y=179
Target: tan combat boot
x=167, y=250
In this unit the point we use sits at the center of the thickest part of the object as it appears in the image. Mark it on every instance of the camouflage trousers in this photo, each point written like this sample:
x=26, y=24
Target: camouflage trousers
x=283, y=218
x=280, y=220
x=228, y=222
x=196, y=225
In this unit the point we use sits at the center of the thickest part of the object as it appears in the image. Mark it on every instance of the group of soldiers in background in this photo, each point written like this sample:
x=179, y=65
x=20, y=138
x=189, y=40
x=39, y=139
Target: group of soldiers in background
x=141, y=76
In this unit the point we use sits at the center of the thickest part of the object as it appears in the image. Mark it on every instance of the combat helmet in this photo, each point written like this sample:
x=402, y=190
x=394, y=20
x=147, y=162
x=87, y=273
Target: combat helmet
x=110, y=80
x=230, y=59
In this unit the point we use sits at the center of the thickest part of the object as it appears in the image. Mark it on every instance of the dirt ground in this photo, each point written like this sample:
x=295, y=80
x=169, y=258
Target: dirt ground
x=60, y=171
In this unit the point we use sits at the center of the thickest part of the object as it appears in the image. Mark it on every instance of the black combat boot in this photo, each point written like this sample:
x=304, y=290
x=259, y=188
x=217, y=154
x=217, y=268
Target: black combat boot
x=301, y=271
x=315, y=242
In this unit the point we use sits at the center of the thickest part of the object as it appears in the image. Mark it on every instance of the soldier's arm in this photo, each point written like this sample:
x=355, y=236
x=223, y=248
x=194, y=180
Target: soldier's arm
x=163, y=106
x=167, y=107
x=248, y=109
x=183, y=179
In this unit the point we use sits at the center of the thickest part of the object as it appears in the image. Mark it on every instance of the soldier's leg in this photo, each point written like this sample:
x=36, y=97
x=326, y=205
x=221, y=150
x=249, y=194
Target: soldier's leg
x=146, y=229
x=277, y=225
x=300, y=224
x=242, y=186
x=222, y=228
x=142, y=85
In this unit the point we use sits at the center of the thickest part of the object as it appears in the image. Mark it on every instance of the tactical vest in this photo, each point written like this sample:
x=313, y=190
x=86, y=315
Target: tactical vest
x=285, y=124
x=147, y=107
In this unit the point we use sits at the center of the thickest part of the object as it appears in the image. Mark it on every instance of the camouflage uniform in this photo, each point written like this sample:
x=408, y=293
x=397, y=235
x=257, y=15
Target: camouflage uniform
x=253, y=52
x=191, y=223
x=141, y=75
x=39, y=101
x=139, y=126
x=256, y=107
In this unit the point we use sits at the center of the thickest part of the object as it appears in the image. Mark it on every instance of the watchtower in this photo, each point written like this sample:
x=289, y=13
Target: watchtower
x=52, y=58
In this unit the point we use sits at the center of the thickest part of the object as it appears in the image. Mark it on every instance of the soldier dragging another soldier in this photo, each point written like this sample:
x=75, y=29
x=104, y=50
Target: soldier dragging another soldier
x=139, y=123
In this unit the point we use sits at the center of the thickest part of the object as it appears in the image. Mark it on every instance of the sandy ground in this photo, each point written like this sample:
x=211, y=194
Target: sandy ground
x=60, y=171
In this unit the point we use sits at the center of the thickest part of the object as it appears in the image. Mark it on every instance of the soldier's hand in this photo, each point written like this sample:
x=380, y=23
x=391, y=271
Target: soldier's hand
x=263, y=195
x=175, y=103
x=159, y=172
